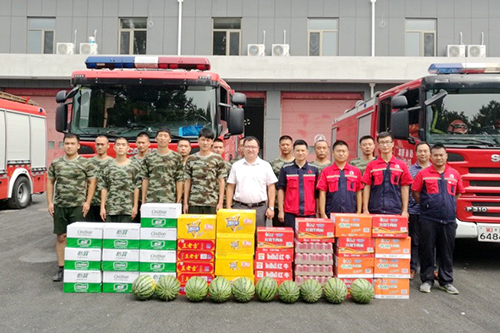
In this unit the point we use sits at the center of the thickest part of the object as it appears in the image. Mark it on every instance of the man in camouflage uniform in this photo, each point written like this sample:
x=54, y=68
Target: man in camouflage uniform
x=120, y=186
x=321, y=151
x=367, y=146
x=162, y=173
x=286, y=156
x=218, y=148
x=100, y=161
x=71, y=174
x=142, y=142
x=184, y=148
x=205, y=175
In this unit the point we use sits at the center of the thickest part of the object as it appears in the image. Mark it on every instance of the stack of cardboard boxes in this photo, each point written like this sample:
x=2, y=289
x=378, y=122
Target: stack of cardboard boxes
x=274, y=254
x=235, y=248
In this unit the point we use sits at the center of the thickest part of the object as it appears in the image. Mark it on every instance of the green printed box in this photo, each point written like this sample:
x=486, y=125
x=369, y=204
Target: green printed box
x=158, y=222
x=82, y=281
x=161, y=210
x=118, y=282
x=120, y=260
x=157, y=261
x=158, y=244
x=121, y=236
x=157, y=267
x=82, y=259
x=85, y=235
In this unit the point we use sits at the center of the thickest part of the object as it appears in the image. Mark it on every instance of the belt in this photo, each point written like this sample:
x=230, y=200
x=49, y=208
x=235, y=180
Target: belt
x=251, y=205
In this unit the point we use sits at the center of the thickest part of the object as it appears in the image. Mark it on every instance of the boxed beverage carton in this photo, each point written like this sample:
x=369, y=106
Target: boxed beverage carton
x=352, y=225
x=277, y=275
x=353, y=245
x=313, y=270
x=157, y=261
x=392, y=288
x=196, y=244
x=273, y=265
x=82, y=281
x=190, y=226
x=393, y=248
x=234, y=264
x=207, y=256
x=203, y=267
x=285, y=254
x=280, y=237
x=312, y=247
x=315, y=230
x=158, y=239
x=353, y=267
x=314, y=258
x=160, y=215
x=235, y=244
x=118, y=282
x=391, y=268
x=82, y=259
x=120, y=260
x=85, y=235
x=389, y=226
x=121, y=236
x=240, y=221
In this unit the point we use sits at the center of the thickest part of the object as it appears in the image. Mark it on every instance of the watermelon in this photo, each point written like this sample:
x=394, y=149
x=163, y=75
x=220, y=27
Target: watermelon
x=144, y=287
x=243, y=290
x=266, y=289
x=167, y=288
x=288, y=292
x=362, y=291
x=196, y=289
x=311, y=291
x=219, y=290
x=335, y=290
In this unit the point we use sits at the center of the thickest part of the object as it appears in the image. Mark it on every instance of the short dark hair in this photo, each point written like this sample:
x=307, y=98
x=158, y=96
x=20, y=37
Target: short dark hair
x=163, y=129
x=71, y=136
x=249, y=138
x=366, y=137
x=300, y=142
x=218, y=140
x=340, y=143
x=383, y=135
x=121, y=138
x=142, y=134
x=437, y=146
x=183, y=139
x=421, y=143
x=102, y=136
x=285, y=137
x=206, y=133
x=320, y=140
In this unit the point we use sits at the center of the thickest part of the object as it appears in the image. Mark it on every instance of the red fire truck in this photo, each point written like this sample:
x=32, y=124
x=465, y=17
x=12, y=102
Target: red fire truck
x=459, y=106
x=126, y=95
x=23, y=150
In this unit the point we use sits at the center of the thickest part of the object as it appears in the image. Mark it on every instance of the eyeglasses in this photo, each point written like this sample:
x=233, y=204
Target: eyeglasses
x=251, y=147
x=385, y=143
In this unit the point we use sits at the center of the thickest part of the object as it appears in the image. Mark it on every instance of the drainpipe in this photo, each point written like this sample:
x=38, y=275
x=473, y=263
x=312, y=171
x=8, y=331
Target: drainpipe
x=372, y=89
x=373, y=27
x=179, y=36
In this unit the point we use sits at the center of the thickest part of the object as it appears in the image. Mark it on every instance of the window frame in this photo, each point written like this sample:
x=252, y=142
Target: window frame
x=321, y=34
x=131, y=32
x=228, y=36
x=422, y=34
x=43, y=31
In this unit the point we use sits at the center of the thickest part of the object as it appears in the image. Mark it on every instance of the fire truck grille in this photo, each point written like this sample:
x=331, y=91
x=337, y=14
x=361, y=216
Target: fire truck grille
x=487, y=183
x=491, y=171
x=485, y=205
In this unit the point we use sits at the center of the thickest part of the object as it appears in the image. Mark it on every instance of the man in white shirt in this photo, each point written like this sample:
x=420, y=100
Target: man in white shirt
x=251, y=183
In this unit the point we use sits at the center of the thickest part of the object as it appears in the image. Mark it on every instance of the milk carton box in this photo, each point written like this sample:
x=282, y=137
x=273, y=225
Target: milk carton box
x=160, y=215
x=118, y=282
x=85, y=235
x=121, y=236
x=82, y=259
x=157, y=261
x=120, y=260
x=82, y=281
x=158, y=239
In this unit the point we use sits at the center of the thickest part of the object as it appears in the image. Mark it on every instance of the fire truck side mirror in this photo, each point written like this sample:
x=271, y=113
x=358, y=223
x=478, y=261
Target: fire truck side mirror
x=235, y=121
x=61, y=96
x=399, y=124
x=239, y=99
x=62, y=118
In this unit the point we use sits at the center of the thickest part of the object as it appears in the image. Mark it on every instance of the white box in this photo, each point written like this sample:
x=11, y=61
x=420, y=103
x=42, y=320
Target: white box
x=159, y=233
x=85, y=234
x=118, y=282
x=121, y=236
x=157, y=256
x=165, y=210
x=82, y=259
x=82, y=276
x=120, y=260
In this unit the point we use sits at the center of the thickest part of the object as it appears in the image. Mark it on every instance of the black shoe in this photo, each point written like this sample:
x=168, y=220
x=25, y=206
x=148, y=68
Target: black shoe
x=59, y=275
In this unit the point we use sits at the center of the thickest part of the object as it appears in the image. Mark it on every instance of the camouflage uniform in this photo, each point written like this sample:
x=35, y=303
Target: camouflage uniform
x=71, y=179
x=204, y=172
x=360, y=163
x=120, y=181
x=99, y=166
x=320, y=166
x=163, y=172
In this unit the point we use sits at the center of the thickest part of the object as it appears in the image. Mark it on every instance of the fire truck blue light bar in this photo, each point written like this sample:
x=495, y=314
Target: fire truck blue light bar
x=147, y=62
x=458, y=68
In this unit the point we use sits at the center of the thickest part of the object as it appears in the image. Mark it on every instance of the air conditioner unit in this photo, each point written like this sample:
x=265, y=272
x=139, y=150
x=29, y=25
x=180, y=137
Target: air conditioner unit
x=476, y=51
x=65, y=48
x=88, y=48
x=256, y=50
x=455, y=51
x=281, y=50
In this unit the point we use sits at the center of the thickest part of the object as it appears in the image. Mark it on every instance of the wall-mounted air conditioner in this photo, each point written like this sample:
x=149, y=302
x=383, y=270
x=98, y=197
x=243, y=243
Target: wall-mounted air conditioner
x=455, y=51
x=281, y=50
x=476, y=51
x=88, y=48
x=256, y=50
x=65, y=48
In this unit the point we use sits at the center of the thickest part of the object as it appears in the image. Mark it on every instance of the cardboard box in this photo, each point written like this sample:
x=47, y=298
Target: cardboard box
x=389, y=226
x=349, y=280
x=85, y=235
x=118, y=282
x=353, y=267
x=392, y=288
x=314, y=230
x=120, y=260
x=352, y=225
x=161, y=210
x=205, y=256
x=236, y=221
x=269, y=237
x=240, y=264
x=191, y=226
x=195, y=267
x=158, y=244
x=82, y=259
x=391, y=268
x=235, y=244
x=354, y=245
x=277, y=275
x=195, y=245
x=184, y=277
x=314, y=258
x=158, y=239
x=274, y=254
x=310, y=247
x=121, y=236
x=157, y=261
x=82, y=281
x=157, y=276
x=273, y=265
x=315, y=270
x=393, y=248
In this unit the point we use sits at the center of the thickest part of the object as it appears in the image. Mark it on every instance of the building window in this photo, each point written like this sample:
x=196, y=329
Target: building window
x=323, y=37
x=421, y=37
x=227, y=36
x=41, y=35
x=133, y=35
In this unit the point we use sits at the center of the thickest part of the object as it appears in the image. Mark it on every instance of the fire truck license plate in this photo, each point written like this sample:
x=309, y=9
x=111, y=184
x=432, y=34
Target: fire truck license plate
x=488, y=233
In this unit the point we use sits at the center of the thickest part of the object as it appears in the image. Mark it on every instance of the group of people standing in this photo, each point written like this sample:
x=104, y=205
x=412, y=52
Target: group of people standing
x=111, y=189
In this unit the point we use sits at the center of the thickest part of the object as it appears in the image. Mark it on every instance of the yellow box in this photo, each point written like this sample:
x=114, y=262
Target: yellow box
x=232, y=278
x=232, y=221
x=191, y=226
x=235, y=244
x=234, y=264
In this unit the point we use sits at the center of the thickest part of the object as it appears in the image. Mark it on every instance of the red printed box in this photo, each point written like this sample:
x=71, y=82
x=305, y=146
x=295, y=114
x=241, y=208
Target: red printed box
x=393, y=248
x=352, y=225
x=353, y=267
x=354, y=245
x=278, y=275
x=389, y=226
x=274, y=254
x=195, y=256
x=315, y=230
x=391, y=268
x=269, y=237
x=195, y=267
x=273, y=265
x=392, y=288
x=196, y=244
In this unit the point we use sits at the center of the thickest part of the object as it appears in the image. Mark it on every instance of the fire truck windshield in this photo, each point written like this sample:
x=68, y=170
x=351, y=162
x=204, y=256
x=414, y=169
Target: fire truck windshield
x=126, y=110
x=465, y=117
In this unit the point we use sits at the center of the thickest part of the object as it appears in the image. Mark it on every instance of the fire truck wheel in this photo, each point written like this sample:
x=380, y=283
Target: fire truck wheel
x=21, y=194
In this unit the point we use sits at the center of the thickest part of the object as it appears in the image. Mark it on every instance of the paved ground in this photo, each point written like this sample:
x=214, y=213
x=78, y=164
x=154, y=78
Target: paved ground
x=31, y=302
